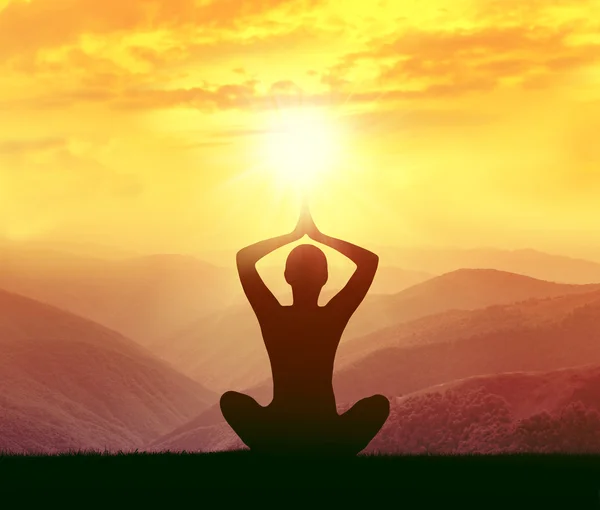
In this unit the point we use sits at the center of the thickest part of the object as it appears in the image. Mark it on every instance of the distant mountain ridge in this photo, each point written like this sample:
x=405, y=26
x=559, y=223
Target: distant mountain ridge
x=455, y=324
x=495, y=413
x=572, y=339
x=148, y=298
x=225, y=350
x=537, y=334
x=69, y=383
x=462, y=289
x=551, y=412
x=529, y=262
x=144, y=298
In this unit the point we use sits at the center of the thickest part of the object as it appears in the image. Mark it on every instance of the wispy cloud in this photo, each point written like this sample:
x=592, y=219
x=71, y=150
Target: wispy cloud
x=10, y=147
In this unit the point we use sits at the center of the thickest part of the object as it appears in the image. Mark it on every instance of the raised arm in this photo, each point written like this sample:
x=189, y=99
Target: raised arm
x=351, y=296
x=260, y=297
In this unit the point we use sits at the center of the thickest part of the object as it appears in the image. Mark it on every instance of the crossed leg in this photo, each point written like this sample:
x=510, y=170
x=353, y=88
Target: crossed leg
x=360, y=424
x=260, y=430
x=245, y=416
x=265, y=429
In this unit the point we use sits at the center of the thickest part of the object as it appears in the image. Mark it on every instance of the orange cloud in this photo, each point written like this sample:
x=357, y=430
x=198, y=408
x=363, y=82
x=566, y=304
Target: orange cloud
x=16, y=147
x=436, y=97
x=51, y=23
x=385, y=121
x=441, y=63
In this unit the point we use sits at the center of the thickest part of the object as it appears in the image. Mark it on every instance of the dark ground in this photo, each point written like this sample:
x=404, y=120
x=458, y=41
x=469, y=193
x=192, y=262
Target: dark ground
x=539, y=480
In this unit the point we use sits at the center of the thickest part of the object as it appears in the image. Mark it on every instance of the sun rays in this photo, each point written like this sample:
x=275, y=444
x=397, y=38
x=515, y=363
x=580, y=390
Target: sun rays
x=302, y=149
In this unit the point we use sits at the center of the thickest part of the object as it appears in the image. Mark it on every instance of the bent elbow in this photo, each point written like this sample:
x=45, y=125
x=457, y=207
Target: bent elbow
x=240, y=258
x=369, y=264
x=375, y=261
x=243, y=259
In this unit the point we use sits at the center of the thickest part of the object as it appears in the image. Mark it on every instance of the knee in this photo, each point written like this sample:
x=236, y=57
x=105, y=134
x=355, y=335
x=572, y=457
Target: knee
x=230, y=398
x=233, y=399
x=375, y=406
x=379, y=405
x=234, y=403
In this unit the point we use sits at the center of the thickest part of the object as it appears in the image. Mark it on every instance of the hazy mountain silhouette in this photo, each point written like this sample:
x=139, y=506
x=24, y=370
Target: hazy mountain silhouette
x=207, y=432
x=436, y=261
x=455, y=324
x=149, y=299
x=536, y=264
x=72, y=248
x=483, y=414
x=529, y=393
x=533, y=335
x=458, y=344
x=225, y=349
x=67, y=382
x=144, y=298
x=570, y=340
x=463, y=289
x=555, y=411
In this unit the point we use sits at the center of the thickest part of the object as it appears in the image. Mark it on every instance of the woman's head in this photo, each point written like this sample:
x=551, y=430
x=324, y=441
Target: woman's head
x=306, y=266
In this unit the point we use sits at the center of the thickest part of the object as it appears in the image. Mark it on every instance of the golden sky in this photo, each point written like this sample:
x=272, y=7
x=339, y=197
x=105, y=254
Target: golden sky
x=151, y=125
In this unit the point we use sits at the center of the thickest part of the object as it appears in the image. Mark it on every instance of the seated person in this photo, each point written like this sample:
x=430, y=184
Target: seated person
x=301, y=341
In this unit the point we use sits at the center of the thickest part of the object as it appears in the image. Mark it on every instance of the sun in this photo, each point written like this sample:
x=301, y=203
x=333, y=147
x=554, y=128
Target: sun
x=302, y=148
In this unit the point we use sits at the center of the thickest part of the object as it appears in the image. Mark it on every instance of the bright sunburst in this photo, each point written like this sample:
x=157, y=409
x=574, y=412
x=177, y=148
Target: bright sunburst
x=301, y=148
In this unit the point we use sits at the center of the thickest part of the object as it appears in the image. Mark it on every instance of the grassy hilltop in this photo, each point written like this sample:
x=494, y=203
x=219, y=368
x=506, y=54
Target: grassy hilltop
x=516, y=476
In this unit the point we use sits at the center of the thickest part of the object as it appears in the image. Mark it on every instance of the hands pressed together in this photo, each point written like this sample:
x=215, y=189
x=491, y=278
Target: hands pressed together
x=306, y=224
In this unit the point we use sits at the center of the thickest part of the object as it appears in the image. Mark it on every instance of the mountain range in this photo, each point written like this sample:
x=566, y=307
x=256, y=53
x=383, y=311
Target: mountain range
x=133, y=351
x=69, y=383
x=535, y=335
x=225, y=350
x=528, y=262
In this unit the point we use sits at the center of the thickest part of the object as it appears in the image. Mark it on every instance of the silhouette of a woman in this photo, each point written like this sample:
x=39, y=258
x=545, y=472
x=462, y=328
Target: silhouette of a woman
x=301, y=341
